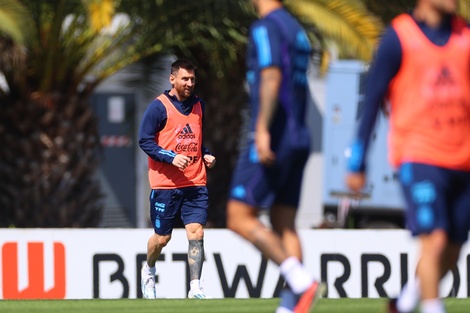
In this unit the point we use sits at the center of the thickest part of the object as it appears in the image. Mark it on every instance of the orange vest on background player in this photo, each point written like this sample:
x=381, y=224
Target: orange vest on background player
x=430, y=98
x=183, y=135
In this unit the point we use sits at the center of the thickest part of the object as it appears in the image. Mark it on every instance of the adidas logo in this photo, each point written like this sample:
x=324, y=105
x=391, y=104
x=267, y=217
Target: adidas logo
x=186, y=133
x=187, y=129
x=444, y=77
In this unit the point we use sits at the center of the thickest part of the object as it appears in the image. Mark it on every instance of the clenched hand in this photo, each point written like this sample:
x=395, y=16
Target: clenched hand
x=356, y=181
x=181, y=161
x=263, y=148
x=209, y=160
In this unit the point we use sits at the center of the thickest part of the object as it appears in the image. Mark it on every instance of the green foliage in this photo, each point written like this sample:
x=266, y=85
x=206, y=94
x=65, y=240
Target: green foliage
x=465, y=9
x=387, y=10
x=348, y=25
x=67, y=53
x=205, y=30
x=14, y=21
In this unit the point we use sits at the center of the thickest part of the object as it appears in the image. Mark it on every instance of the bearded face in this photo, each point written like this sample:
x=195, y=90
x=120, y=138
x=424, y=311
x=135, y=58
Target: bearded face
x=183, y=83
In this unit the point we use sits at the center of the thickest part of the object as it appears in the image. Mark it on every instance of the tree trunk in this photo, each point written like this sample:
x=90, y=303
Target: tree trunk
x=226, y=112
x=48, y=155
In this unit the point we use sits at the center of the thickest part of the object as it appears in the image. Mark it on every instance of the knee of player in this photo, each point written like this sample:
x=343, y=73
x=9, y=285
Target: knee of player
x=231, y=224
x=195, y=231
x=232, y=219
x=161, y=241
x=238, y=222
x=435, y=244
x=198, y=234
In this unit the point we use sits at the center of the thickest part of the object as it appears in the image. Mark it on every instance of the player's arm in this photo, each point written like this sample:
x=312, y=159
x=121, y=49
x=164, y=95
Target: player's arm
x=153, y=121
x=270, y=82
x=384, y=68
x=267, y=43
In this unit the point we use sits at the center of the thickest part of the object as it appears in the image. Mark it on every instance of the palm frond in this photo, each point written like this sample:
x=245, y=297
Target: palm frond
x=13, y=21
x=100, y=12
x=464, y=9
x=346, y=23
x=81, y=51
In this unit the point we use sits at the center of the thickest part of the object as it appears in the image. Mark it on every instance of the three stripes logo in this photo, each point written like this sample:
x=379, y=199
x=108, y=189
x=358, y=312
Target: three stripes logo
x=187, y=133
x=444, y=78
x=35, y=272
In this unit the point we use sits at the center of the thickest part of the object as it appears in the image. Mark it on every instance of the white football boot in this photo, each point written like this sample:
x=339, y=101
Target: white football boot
x=148, y=282
x=197, y=294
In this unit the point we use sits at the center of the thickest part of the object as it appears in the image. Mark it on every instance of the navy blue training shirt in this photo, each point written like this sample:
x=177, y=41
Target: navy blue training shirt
x=385, y=66
x=154, y=120
x=279, y=40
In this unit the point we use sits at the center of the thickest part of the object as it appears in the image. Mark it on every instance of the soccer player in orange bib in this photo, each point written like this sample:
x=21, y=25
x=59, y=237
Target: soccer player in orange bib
x=171, y=136
x=423, y=67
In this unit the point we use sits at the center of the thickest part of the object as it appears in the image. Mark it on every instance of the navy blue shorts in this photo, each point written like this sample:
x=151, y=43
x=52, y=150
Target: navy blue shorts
x=167, y=205
x=261, y=186
x=437, y=198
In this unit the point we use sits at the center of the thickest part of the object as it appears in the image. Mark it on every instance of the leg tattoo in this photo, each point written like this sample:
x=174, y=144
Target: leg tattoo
x=195, y=258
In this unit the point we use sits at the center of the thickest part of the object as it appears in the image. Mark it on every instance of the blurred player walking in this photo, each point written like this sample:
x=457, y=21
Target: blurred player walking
x=269, y=172
x=423, y=67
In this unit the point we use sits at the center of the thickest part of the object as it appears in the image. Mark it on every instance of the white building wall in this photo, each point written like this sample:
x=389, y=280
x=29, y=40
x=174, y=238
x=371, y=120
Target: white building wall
x=311, y=209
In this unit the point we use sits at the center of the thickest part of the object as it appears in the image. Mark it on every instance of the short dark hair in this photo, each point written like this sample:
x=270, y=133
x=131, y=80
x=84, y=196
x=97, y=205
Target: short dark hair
x=182, y=63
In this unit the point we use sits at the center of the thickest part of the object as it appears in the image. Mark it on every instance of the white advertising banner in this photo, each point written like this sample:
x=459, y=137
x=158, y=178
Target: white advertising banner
x=105, y=263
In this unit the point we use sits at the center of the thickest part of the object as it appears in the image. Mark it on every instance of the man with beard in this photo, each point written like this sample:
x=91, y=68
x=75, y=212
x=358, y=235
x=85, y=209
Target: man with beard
x=171, y=136
x=269, y=172
x=423, y=67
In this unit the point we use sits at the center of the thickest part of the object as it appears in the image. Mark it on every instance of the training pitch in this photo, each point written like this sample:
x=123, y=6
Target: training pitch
x=203, y=306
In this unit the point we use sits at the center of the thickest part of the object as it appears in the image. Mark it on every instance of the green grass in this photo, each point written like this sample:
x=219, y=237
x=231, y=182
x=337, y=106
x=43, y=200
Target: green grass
x=202, y=306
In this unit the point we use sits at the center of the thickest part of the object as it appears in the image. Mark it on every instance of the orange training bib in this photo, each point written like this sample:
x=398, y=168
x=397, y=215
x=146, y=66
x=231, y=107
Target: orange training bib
x=430, y=98
x=183, y=135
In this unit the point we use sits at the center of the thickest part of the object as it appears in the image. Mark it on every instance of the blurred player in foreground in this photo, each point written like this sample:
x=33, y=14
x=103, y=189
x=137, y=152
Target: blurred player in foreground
x=171, y=135
x=269, y=172
x=423, y=67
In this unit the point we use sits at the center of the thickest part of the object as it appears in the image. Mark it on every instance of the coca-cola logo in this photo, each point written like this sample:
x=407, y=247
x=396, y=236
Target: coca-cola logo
x=190, y=147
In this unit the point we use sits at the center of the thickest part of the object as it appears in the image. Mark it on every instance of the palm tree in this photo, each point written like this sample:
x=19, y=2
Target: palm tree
x=48, y=133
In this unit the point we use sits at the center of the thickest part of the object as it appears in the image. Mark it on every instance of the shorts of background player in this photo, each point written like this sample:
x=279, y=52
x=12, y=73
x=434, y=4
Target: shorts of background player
x=168, y=205
x=437, y=198
x=261, y=186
